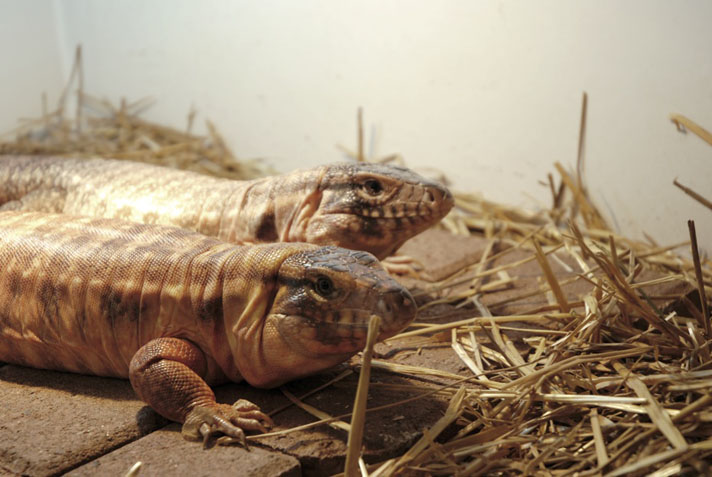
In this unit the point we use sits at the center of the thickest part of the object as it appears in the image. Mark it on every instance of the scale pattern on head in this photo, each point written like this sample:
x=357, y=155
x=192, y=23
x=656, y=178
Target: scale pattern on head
x=376, y=207
x=319, y=316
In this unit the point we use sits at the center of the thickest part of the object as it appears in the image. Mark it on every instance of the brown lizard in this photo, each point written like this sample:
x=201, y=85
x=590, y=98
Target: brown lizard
x=370, y=207
x=176, y=311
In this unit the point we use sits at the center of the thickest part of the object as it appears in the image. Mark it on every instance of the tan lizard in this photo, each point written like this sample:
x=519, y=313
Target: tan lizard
x=369, y=207
x=176, y=311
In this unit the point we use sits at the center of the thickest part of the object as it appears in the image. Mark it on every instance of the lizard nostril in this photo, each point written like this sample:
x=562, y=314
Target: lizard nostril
x=407, y=298
x=429, y=197
x=384, y=307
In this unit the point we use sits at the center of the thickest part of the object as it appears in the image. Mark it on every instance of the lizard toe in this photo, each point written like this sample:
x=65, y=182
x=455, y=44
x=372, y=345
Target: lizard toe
x=249, y=424
x=218, y=424
x=243, y=405
x=250, y=417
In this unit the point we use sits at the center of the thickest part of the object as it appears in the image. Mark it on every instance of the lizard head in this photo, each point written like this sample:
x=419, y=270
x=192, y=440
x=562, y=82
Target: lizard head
x=323, y=302
x=375, y=207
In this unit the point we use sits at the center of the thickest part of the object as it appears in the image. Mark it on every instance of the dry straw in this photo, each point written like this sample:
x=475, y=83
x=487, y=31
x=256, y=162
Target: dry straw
x=359, y=413
x=616, y=380
x=100, y=128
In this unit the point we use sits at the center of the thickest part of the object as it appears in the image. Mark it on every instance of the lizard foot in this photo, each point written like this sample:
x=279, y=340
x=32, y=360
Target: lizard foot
x=223, y=424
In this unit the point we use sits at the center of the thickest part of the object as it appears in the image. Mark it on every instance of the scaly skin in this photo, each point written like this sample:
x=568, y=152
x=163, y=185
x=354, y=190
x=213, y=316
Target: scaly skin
x=369, y=207
x=176, y=311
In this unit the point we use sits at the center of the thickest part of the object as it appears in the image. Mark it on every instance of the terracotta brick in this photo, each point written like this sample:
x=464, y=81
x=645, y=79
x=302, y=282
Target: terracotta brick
x=165, y=452
x=54, y=421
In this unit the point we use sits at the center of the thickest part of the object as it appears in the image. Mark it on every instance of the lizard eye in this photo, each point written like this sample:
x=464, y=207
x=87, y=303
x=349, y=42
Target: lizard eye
x=373, y=187
x=324, y=286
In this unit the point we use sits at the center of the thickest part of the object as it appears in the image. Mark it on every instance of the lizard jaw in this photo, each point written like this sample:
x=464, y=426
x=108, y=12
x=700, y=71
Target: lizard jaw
x=292, y=346
x=344, y=331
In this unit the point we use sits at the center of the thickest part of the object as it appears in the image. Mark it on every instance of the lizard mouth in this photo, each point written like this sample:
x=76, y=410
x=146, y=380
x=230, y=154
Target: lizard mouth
x=344, y=332
x=317, y=340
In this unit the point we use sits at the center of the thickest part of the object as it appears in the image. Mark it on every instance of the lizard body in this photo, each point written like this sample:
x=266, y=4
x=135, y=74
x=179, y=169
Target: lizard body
x=176, y=311
x=369, y=207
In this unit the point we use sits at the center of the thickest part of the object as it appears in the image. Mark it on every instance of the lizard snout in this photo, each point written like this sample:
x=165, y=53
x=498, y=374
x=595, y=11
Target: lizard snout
x=438, y=197
x=397, y=309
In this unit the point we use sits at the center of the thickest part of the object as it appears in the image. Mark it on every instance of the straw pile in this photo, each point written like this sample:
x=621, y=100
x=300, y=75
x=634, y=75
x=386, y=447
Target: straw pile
x=614, y=381
x=611, y=383
x=99, y=128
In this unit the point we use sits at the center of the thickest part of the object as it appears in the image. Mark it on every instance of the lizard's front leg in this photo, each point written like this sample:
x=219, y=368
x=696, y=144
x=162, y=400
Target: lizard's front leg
x=167, y=373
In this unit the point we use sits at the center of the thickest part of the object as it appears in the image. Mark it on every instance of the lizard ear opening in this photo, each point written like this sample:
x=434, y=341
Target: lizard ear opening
x=297, y=229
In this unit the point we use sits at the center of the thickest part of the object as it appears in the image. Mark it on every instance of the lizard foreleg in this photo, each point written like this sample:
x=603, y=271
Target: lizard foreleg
x=167, y=373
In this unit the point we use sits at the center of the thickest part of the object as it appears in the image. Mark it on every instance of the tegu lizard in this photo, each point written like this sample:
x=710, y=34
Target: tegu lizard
x=176, y=311
x=370, y=207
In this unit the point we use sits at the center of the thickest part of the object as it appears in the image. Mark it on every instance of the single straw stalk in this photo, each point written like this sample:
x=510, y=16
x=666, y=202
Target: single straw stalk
x=698, y=197
x=700, y=282
x=359, y=414
x=683, y=123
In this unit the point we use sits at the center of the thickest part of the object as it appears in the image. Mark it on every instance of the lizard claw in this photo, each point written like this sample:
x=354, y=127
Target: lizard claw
x=223, y=424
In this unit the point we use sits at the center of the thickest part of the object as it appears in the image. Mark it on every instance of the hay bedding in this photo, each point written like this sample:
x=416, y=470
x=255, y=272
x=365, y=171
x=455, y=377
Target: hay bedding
x=608, y=373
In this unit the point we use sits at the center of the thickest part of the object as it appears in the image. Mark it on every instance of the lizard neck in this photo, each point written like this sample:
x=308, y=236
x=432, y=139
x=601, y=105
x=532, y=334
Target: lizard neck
x=247, y=287
x=272, y=209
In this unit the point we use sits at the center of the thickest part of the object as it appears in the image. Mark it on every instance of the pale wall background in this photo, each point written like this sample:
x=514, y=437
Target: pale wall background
x=30, y=59
x=487, y=91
